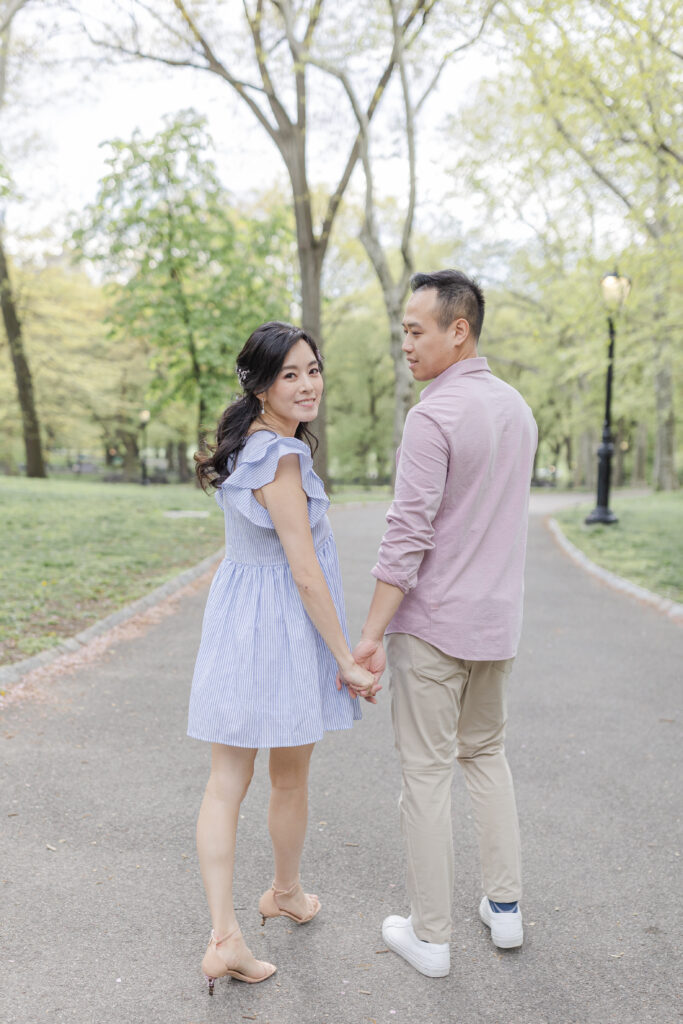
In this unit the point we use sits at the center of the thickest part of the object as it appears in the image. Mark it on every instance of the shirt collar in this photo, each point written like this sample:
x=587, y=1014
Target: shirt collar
x=474, y=365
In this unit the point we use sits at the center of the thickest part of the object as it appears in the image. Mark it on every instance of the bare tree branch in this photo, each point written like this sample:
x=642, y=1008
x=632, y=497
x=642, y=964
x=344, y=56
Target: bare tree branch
x=426, y=11
x=406, y=234
x=8, y=16
x=211, y=64
x=313, y=20
x=279, y=112
x=296, y=48
x=336, y=197
x=451, y=53
x=12, y=9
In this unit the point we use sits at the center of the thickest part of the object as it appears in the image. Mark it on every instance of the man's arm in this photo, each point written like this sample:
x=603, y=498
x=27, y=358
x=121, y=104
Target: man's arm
x=384, y=605
x=369, y=651
x=420, y=482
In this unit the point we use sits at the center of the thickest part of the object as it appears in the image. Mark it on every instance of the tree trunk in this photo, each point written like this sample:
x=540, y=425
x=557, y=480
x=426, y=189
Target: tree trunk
x=664, y=470
x=183, y=467
x=35, y=464
x=404, y=391
x=585, y=471
x=310, y=267
x=639, y=472
x=619, y=436
x=201, y=420
x=131, y=457
x=664, y=473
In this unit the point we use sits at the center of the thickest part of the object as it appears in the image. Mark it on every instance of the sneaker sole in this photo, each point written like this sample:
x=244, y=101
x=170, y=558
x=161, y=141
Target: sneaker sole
x=426, y=969
x=512, y=943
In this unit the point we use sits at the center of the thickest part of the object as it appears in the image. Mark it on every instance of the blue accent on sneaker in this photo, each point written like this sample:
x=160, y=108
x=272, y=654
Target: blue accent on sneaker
x=503, y=908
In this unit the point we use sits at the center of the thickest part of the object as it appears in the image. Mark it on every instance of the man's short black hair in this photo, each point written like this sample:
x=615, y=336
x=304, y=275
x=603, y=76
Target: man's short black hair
x=457, y=296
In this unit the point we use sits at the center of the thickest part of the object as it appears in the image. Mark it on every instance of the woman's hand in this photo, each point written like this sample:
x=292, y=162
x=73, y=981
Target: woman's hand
x=359, y=681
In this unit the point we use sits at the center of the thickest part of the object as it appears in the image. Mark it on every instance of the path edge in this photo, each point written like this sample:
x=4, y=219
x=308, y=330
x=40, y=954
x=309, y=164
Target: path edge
x=10, y=674
x=665, y=605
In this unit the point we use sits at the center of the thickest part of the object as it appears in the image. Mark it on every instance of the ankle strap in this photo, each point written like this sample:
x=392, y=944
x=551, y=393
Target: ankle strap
x=287, y=892
x=228, y=935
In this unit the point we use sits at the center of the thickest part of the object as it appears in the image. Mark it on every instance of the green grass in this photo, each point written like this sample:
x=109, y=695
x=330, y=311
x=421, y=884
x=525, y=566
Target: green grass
x=645, y=546
x=72, y=552
x=344, y=493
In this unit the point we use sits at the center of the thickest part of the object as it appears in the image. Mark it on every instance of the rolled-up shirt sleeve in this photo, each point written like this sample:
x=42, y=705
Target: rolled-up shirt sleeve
x=420, y=480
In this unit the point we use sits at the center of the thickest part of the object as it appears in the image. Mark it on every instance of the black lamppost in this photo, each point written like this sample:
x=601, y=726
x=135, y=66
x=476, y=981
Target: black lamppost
x=615, y=291
x=144, y=420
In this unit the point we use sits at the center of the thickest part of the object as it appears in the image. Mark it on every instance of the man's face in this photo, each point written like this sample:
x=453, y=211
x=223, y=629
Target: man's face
x=429, y=349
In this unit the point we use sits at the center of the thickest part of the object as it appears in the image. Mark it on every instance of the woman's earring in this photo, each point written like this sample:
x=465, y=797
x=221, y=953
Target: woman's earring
x=263, y=408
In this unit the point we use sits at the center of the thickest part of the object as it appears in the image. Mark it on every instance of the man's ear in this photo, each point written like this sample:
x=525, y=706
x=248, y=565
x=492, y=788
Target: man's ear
x=461, y=330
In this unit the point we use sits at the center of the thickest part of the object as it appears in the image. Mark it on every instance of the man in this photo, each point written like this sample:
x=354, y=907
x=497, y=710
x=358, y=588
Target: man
x=449, y=596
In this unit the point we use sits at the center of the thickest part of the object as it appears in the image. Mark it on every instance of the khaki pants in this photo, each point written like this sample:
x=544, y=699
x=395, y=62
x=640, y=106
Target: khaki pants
x=443, y=708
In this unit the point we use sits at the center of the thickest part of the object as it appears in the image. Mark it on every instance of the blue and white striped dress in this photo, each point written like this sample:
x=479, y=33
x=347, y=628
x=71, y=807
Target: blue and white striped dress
x=264, y=677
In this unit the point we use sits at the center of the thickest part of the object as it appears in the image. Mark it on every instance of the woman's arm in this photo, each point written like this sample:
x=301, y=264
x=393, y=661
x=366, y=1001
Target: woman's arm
x=287, y=505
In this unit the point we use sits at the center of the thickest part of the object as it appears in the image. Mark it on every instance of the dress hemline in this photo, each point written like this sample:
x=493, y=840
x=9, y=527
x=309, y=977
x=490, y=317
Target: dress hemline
x=274, y=746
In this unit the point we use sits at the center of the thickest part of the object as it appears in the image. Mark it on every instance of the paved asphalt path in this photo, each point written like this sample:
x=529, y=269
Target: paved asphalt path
x=110, y=925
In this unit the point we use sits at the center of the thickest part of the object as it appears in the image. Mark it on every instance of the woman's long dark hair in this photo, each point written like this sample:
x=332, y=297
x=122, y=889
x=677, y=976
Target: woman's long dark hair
x=258, y=366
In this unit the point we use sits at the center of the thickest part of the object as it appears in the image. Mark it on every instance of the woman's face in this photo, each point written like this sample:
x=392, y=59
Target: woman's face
x=295, y=395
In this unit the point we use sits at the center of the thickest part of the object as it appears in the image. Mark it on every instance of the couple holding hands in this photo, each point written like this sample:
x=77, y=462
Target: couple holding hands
x=275, y=669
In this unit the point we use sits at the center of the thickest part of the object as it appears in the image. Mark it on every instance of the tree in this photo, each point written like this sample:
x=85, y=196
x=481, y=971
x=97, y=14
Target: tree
x=89, y=392
x=612, y=110
x=519, y=143
x=197, y=276
x=272, y=80
x=406, y=110
x=358, y=369
x=35, y=463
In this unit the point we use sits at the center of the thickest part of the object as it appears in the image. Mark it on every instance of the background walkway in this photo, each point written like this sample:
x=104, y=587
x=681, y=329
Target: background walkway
x=103, y=916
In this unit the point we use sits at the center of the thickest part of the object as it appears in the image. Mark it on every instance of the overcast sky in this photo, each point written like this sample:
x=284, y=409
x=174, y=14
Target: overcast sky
x=71, y=115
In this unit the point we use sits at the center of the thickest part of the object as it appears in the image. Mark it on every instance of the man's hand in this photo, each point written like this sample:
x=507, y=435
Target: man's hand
x=370, y=655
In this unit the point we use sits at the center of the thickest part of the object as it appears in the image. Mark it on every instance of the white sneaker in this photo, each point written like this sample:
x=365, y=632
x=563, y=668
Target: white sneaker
x=430, y=958
x=506, y=926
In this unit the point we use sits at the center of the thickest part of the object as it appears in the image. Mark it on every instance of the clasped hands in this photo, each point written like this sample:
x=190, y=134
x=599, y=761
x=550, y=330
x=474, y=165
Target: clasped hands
x=362, y=678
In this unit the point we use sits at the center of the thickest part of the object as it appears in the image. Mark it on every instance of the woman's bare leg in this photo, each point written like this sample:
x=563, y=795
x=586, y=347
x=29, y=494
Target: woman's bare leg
x=231, y=772
x=287, y=820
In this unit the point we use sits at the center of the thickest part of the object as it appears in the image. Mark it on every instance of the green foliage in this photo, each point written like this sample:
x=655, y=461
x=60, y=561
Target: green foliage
x=89, y=388
x=645, y=546
x=72, y=553
x=608, y=110
x=359, y=375
x=193, y=276
x=575, y=144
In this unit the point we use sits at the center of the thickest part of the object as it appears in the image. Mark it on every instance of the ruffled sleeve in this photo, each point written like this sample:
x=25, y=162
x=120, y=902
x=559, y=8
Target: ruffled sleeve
x=256, y=466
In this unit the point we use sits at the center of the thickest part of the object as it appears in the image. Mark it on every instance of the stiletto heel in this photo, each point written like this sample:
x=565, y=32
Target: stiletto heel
x=234, y=963
x=269, y=907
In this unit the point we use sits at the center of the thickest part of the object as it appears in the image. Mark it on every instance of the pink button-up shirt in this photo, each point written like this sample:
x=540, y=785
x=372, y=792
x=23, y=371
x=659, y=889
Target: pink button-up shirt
x=457, y=531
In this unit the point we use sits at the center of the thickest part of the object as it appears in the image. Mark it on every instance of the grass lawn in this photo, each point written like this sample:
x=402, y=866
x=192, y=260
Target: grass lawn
x=72, y=552
x=645, y=546
x=344, y=493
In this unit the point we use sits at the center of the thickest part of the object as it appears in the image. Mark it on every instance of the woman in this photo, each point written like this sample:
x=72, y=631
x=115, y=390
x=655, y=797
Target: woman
x=273, y=638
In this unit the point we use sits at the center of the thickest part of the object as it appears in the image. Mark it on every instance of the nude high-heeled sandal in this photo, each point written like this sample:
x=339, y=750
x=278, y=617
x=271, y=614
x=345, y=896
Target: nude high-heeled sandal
x=218, y=964
x=269, y=906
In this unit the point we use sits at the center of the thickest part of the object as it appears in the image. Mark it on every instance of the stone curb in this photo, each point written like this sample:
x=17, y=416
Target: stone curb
x=12, y=673
x=662, y=604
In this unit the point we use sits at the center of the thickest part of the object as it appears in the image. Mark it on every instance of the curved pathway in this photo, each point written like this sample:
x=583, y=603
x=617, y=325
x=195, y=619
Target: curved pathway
x=102, y=909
